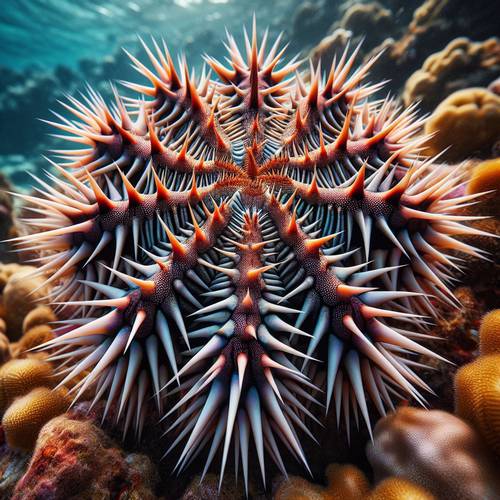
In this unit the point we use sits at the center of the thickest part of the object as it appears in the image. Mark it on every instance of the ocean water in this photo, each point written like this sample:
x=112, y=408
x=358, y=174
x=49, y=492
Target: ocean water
x=52, y=47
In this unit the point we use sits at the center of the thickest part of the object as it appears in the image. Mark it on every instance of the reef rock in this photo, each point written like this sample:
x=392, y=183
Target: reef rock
x=75, y=459
x=435, y=450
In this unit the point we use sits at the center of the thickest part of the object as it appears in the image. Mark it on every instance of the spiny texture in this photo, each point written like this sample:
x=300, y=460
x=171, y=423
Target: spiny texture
x=244, y=248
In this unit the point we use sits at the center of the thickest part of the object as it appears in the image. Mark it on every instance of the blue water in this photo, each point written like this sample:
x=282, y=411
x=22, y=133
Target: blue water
x=48, y=33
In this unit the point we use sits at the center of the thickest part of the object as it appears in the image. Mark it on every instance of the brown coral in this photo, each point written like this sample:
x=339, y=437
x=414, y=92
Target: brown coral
x=432, y=449
x=25, y=417
x=489, y=333
x=4, y=348
x=41, y=315
x=20, y=297
x=443, y=72
x=19, y=376
x=345, y=482
x=396, y=488
x=477, y=392
x=468, y=120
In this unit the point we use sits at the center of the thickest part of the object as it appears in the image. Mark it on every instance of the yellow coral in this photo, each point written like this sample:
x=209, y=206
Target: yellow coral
x=396, y=488
x=28, y=414
x=489, y=333
x=19, y=376
x=41, y=315
x=477, y=397
x=19, y=298
x=468, y=120
x=345, y=482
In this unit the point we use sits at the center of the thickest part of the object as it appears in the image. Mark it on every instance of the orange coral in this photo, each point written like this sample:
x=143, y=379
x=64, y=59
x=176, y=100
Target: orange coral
x=19, y=376
x=489, y=333
x=396, y=488
x=345, y=482
x=34, y=337
x=28, y=414
x=41, y=315
x=468, y=120
x=477, y=392
x=486, y=177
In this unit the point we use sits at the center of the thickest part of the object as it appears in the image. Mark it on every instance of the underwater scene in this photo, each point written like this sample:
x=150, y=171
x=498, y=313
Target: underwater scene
x=249, y=249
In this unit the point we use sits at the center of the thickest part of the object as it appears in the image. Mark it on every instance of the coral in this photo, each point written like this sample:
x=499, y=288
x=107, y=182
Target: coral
x=34, y=337
x=432, y=448
x=468, y=121
x=329, y=46
x=477, y=397
x=4, y=347
x=75, y=459
x=19, y=376
x=489, y=333
x=440, y=71
x=396, y=488
x=486, y=177
x=371, y=19
x=21, y=293
x=344, y=482
x=6, y=271
x=41, y=315
x=212, y=240
x=24, y=418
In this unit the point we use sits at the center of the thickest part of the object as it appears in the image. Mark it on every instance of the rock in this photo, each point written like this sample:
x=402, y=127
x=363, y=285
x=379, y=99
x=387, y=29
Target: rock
x=74, y=459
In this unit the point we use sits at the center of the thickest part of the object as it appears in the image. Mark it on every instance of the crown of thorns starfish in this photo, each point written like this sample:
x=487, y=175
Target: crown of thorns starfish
x=243, y=250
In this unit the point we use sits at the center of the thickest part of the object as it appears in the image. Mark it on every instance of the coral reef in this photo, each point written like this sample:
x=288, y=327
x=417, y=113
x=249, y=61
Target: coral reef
x=477, y=394
x=396, y=488
x=432, y=448
x=21, y=294
x=254, y=221
x=19, y=376
x=452, y=69
x=489, y=333
x=24, y=418
x=344, y=482
x=75, y=459
x=468, y=122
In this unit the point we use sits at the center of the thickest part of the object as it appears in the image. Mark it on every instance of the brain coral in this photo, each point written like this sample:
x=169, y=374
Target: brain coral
x=19, y=376
x=477, y=393
x=213, y=238
x=28, y=414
